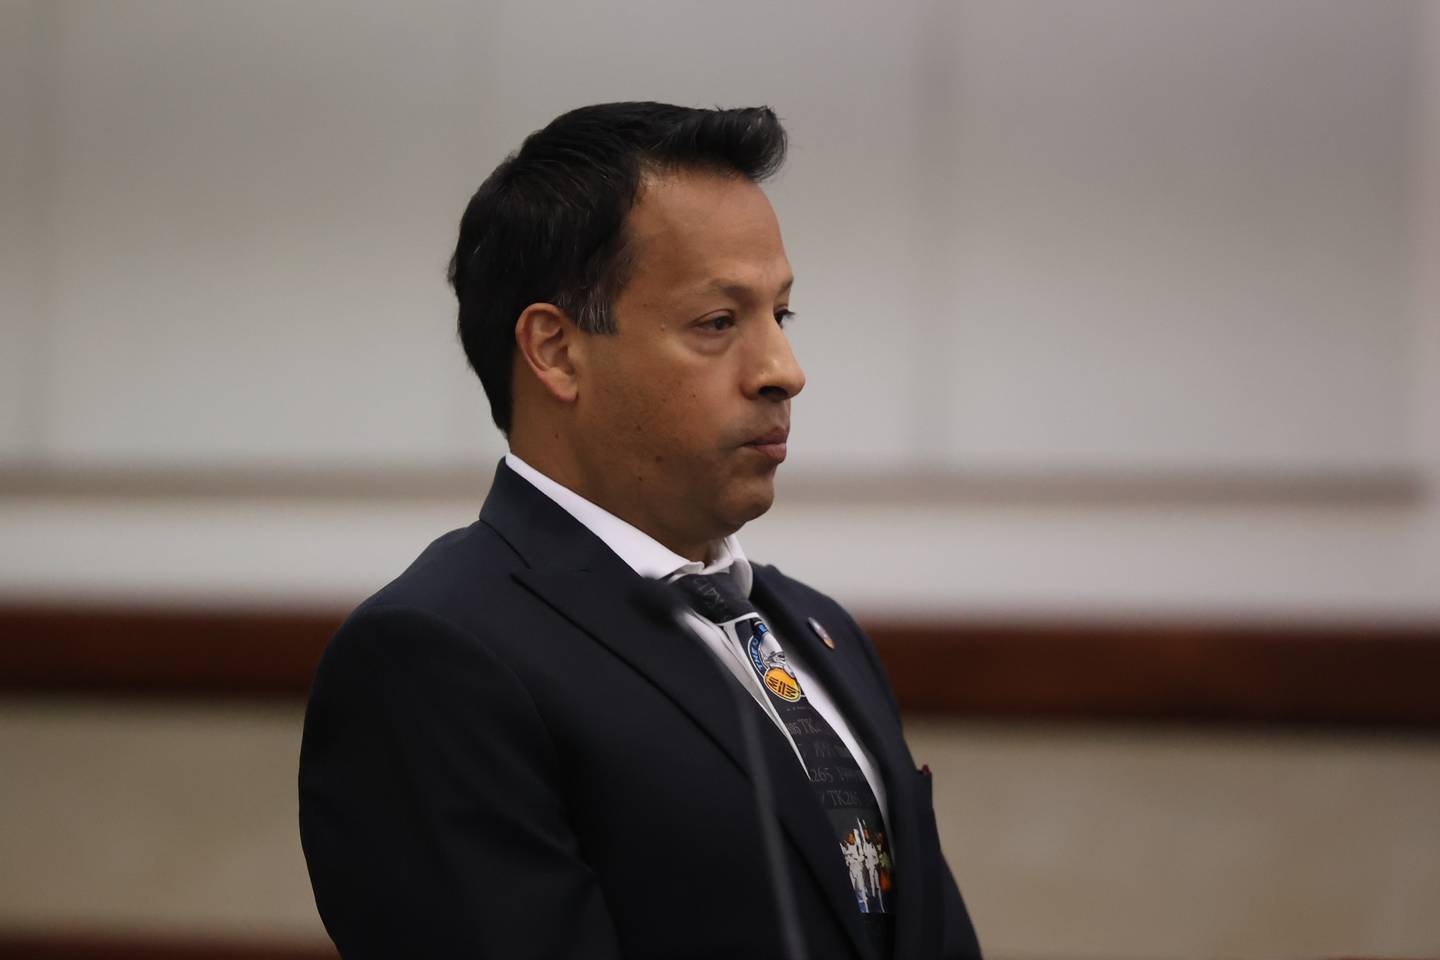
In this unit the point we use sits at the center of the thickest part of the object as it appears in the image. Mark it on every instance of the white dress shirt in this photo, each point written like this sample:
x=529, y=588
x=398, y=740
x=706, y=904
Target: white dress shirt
x=649, y=558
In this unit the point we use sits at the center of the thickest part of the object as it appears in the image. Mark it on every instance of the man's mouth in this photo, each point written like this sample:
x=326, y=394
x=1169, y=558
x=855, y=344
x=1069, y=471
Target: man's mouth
x=771, y=444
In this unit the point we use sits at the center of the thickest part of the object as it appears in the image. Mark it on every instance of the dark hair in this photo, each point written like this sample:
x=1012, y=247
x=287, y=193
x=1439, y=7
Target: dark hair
x=548, y=225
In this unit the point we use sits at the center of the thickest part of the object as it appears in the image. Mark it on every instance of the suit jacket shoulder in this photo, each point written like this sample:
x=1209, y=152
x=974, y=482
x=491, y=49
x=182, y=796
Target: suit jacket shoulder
x=504, y=726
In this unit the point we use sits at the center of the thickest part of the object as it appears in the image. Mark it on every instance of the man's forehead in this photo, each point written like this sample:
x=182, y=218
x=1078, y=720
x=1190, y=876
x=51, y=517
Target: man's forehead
x=740, y=288
x=708, y=233
x=693, y=205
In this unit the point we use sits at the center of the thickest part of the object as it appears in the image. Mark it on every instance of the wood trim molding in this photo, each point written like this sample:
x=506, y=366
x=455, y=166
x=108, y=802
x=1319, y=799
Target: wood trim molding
x=187, y=654
x=1253, y=673
x=65, y=946
x=1119, y=486
x=59, y=945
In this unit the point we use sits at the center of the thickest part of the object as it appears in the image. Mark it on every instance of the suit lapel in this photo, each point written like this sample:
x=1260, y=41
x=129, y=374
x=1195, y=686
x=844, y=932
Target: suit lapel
x=573, y=572
x=863, y=704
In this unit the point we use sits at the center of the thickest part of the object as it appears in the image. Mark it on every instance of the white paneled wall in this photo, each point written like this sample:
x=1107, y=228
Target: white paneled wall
x=24, y=116
x=1182, y=233
x=251, y=204
x=1116, y=238
x=1131, y=234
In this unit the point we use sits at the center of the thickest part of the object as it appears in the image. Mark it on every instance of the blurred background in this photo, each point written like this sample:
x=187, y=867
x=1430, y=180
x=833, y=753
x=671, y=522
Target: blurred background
x=1122, y=433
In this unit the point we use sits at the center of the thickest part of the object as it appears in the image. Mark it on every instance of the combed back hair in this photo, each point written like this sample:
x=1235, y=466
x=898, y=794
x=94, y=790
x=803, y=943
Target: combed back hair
x=548, y=225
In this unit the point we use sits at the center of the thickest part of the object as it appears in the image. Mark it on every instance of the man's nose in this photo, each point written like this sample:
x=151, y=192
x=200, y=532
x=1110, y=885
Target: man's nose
x=778, y=375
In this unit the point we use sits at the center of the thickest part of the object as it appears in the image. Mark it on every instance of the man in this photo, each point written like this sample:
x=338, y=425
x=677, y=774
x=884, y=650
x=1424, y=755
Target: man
x=524, y=746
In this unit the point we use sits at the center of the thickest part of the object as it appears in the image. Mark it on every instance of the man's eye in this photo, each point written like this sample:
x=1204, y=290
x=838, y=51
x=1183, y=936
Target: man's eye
x=722, y=322
x=783, y=317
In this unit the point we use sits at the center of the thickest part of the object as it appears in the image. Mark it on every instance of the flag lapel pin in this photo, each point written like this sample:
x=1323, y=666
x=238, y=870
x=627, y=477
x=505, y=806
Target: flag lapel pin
x=821, y=632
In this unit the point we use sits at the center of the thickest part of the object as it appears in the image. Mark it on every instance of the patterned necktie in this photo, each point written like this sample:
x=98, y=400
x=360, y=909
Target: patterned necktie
x=836, y=778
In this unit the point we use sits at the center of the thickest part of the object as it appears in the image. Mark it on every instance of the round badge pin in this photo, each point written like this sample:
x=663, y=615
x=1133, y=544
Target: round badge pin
x=821, y=632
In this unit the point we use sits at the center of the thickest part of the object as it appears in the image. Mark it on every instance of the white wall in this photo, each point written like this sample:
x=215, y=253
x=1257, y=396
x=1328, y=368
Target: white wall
x=1184, y=251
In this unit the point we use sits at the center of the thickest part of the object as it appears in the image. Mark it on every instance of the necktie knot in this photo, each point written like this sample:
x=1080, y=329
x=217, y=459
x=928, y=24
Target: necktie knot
x=715, y=596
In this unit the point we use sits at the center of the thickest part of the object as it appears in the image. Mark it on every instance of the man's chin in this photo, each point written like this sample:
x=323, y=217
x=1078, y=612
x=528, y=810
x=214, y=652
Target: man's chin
x=750, y=501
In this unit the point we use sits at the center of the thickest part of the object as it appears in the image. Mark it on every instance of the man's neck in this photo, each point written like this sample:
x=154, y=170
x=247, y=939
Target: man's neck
x=554, y=468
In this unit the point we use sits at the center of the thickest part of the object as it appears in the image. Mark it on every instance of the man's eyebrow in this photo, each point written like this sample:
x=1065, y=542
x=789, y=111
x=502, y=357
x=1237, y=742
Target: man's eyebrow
x=741, y=291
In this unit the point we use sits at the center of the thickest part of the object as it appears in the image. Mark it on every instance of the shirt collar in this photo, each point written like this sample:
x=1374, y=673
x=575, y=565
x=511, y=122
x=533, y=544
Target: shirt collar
x=640, y=551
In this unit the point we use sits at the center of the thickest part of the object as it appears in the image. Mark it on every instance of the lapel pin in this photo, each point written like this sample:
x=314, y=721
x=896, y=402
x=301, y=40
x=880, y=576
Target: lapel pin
x=820, y=632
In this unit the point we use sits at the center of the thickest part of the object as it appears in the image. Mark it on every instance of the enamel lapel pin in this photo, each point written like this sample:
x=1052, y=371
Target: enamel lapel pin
x=820, y=632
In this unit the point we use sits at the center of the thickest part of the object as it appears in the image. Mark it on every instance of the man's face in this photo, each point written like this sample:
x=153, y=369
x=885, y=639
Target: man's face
x=685, y=409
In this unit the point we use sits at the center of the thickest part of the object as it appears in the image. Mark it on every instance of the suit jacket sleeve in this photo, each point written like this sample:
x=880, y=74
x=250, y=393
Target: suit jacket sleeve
x=429, y=809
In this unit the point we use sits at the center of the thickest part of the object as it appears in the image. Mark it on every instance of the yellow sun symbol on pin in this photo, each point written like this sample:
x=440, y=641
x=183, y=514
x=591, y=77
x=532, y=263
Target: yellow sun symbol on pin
x=782, y=684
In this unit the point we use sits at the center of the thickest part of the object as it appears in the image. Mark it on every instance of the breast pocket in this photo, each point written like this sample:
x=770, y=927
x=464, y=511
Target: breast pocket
x=927, y=831
x=924, y=870
x=924, y=790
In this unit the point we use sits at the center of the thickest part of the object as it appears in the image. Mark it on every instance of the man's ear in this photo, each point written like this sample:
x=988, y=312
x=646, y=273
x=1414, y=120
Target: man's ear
x=546, y=336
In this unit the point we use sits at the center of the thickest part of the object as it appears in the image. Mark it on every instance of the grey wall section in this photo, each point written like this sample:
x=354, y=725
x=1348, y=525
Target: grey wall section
x=1119, y=236
x=1177, y=245
x=1181, y=232
x=1069, y=842
x=27, y=116
x=251, y=208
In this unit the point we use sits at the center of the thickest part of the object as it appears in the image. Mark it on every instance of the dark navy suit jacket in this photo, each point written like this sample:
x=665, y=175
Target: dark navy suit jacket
x=506, y=756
